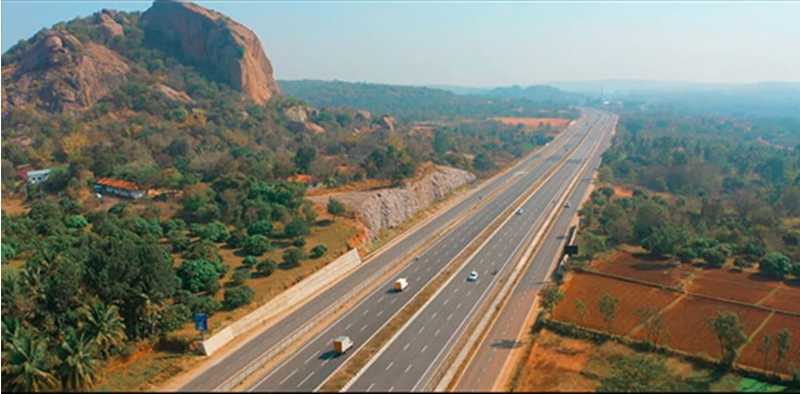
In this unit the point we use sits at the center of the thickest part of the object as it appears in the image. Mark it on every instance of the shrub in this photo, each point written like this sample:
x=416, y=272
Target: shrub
x=240, y=275
x=261, y=227
x=266, y=268
x=237, y=296
x=299, y=242
x=199, y=275
x=256, y=245
x=76, y=221
x=236, y=238
x=296, y=228
x=714, y=256
x=293, y=256
x=318, y=251
x=249, y=261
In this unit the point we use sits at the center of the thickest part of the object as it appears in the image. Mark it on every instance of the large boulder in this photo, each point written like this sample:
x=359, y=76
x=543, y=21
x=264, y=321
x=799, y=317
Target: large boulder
x=211, y=41
x=60, y=73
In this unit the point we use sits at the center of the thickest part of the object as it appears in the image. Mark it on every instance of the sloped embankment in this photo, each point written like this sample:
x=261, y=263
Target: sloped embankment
x=387, y=208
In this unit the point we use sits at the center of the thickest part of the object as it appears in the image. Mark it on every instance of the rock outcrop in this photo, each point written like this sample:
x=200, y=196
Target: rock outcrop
x=299, y=117
x=213, y=42
x=387, y=208
x=60, y=73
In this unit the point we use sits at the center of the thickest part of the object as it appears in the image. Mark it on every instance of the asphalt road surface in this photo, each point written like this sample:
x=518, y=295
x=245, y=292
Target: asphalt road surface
x=407, y=362
x=219, y=373
x=492, y=355
x=308, y=368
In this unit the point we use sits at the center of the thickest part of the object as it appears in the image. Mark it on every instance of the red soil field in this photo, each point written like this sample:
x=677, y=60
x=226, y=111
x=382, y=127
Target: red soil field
x=688, y=324
x=738, y=286
x=532, y=122
x=785, y=299
x=751, y=356
x=624, y=264
x=589, y=288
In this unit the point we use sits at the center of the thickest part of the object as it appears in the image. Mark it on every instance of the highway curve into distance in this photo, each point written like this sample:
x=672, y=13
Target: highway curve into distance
x=444, y=237
x=407, y=363
x=494, y=351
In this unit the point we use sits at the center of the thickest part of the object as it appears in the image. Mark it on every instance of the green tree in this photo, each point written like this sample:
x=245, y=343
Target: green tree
x=318, y=251
x=104, y=326
x=664, y=240
x=266, y=268
x=608, y=306
x=199, y=275
x=78, y=369
x=335, y=207
x=304, y=157
x=293, y=256
x=783, y=339
x=256, y=245
x=27, y=365
x=260, y=227
x=482, y=162
x=730, y=334
x=551, y=296
x=775, y=265
x=764, y=348
x=714, y=256
x=296, y=228
x=237, y=296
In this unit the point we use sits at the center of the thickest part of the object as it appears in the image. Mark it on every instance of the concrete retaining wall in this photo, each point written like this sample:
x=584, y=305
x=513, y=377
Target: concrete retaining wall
x=301, y=291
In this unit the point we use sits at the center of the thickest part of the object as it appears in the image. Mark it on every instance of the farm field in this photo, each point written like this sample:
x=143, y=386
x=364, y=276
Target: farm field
x=688, y=323
x=751, y=355
x=532, y=122
x=764, y=306
x=559, y=363
x=589, y=288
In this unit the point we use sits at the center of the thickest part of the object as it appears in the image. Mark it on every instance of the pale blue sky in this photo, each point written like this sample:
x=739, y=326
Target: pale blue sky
x=483, y=44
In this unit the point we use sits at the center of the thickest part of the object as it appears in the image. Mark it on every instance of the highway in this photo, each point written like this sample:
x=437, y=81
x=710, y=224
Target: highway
x=408, y=361
x=493, y=352
x=309, y=367
x=509, y=185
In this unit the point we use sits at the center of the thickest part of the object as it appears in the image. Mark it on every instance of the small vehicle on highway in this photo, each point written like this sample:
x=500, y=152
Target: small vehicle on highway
x=473, y=276
x=400, y=284
x=342, y=343
x=566, y=205
x=519, y=211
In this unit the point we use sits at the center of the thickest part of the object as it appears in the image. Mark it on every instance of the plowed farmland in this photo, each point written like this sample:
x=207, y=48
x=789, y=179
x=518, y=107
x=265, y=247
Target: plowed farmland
x=751, y=355
x=785, y=299
x=738, y=286
x=688, y=323
x=589, y=288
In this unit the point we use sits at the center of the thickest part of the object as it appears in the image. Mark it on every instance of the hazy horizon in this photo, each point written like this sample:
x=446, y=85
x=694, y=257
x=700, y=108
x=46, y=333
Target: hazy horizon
x=494, y=44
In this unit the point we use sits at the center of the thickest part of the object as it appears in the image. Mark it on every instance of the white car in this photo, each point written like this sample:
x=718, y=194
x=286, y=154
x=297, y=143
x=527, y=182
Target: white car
x=519, y=211
x=473, y=276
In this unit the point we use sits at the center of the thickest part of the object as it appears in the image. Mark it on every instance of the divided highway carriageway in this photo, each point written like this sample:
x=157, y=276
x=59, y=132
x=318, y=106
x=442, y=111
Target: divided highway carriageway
x=307, y=368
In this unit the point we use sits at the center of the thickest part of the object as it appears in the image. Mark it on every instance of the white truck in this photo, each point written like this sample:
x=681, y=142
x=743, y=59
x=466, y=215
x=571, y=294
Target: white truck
x=341, y=344
x=400, y=284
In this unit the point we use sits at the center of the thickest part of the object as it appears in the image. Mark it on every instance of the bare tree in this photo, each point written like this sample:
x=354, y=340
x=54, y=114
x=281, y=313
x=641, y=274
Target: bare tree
x=580, y=309
x=608, y=306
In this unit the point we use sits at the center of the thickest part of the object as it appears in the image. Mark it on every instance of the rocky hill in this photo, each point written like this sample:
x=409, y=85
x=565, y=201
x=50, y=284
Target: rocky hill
x=70, y=67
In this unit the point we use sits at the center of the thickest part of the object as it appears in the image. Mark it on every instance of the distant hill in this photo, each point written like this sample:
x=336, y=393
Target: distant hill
x=417, y=103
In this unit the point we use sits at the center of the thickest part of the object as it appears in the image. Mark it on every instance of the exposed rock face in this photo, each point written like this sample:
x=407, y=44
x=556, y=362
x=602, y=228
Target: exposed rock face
x=387, y=121
x=110, y=27
x=216, y=43
x=387, y=208
x=299, y=117
x=59, y=73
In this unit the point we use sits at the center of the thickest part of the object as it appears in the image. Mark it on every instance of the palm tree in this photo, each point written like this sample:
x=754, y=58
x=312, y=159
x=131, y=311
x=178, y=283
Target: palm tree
x=26, y=364
x=104, y=326
x=78, y=370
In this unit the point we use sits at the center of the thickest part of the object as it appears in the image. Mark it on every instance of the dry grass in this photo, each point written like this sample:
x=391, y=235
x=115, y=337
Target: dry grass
x=532, y=123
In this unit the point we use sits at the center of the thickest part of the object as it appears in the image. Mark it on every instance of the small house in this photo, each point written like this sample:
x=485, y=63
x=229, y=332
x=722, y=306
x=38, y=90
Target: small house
x=35, y=177
x=119, y=188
